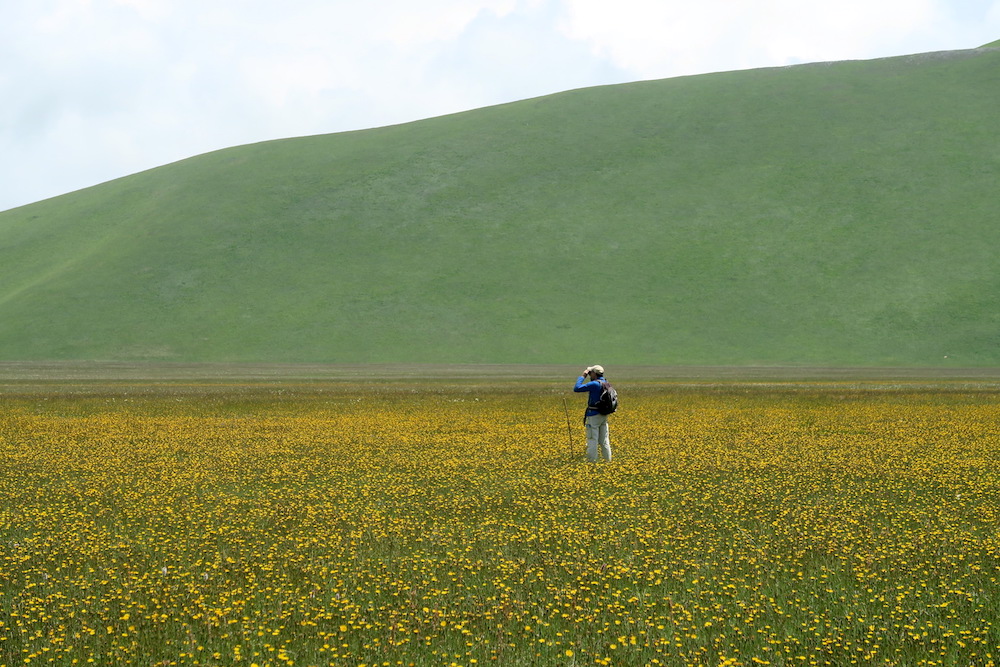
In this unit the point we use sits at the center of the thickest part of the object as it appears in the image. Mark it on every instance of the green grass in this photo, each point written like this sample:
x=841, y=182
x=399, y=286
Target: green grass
x=829, y=214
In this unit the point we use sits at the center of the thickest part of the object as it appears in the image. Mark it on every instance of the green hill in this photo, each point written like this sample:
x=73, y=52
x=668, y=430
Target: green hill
x=837, y=214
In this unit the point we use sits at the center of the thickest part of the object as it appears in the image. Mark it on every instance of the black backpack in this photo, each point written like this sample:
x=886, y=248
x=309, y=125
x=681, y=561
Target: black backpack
x=608, y=402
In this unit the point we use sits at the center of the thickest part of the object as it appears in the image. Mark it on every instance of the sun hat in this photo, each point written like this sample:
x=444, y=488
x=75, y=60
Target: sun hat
x=597, y=369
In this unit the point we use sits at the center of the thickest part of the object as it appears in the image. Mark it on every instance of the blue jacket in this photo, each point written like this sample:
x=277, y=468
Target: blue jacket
x=594, y=387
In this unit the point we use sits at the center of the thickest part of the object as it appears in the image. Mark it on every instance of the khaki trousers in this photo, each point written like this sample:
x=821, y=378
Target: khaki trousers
x=598, y=437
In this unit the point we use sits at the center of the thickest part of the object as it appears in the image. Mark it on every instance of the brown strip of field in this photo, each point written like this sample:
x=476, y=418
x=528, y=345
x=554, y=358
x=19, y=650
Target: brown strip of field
x=20, y=375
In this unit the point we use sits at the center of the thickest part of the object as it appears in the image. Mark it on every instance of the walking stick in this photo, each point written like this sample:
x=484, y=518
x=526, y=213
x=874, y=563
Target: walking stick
x=569, y=429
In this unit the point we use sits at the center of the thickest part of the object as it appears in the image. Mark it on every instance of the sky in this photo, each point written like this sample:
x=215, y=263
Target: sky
x=93, y=90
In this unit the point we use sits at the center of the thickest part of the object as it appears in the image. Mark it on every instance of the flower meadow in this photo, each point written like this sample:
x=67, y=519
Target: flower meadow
x=391, y=524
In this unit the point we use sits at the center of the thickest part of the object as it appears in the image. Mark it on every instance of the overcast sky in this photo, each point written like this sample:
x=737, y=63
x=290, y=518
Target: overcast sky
x=91, y=90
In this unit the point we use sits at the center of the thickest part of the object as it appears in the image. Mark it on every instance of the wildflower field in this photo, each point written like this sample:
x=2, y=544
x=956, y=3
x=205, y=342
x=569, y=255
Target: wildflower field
x=374, y=524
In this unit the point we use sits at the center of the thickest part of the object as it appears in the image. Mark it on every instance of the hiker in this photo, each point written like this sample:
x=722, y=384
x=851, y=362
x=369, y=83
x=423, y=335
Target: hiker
x=592, y=381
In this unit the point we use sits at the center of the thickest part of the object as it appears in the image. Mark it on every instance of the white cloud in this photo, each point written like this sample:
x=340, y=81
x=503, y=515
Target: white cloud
x=409, y=23
x=656, y=38
x=95, y=89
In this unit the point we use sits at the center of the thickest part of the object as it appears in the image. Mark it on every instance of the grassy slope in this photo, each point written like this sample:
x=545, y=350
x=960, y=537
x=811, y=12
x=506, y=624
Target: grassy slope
x=824, y=214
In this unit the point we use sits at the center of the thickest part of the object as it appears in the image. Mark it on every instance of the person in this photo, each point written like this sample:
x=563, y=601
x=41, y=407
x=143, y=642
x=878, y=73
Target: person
x=598, y=436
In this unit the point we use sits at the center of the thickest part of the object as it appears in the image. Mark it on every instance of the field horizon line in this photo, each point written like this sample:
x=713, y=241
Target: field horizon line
x=19, y=372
